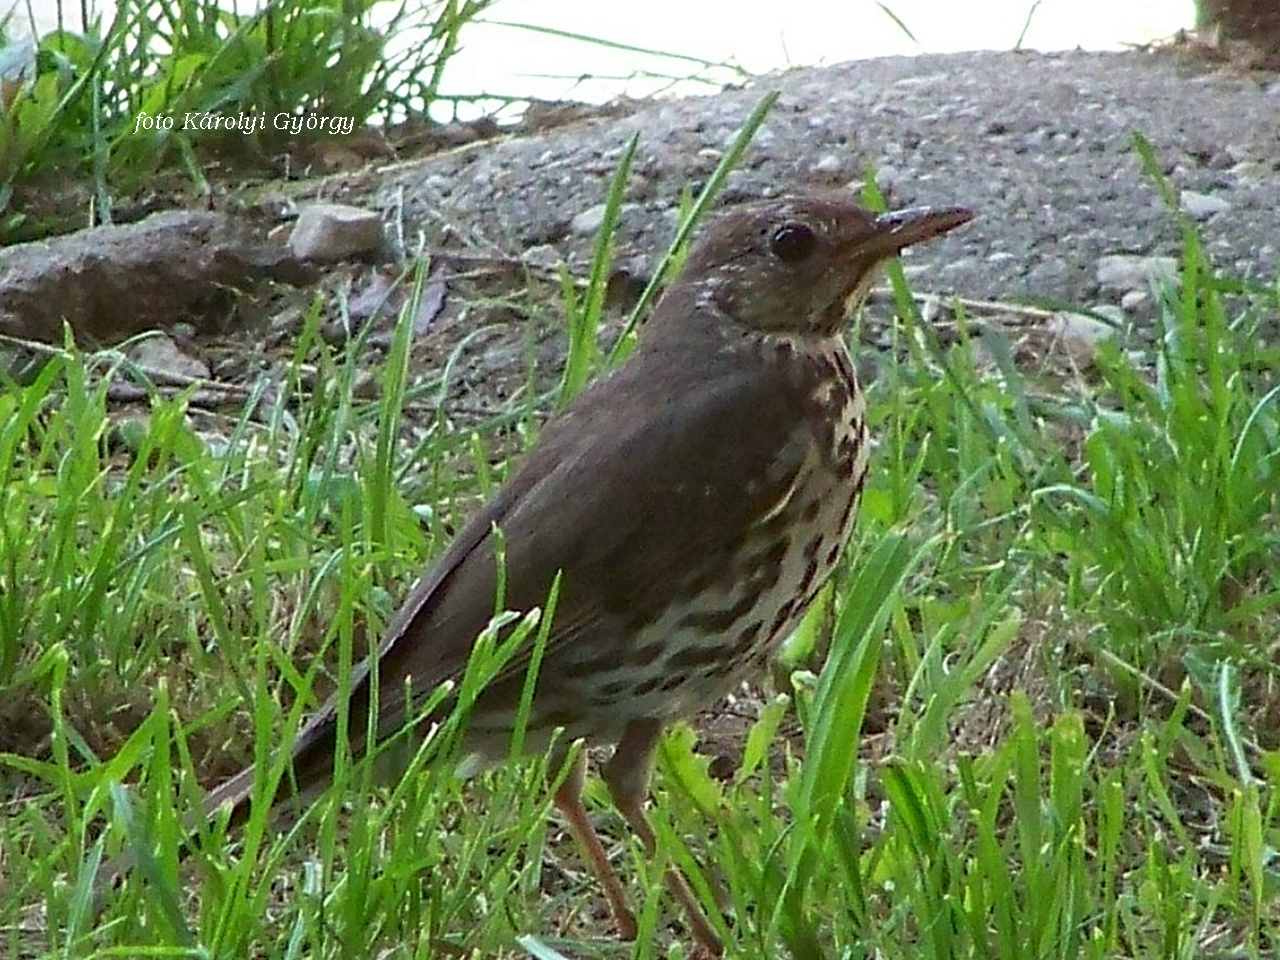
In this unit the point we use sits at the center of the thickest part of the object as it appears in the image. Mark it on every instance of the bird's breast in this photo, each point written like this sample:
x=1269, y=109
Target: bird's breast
x=740, y=612
x=738, y=600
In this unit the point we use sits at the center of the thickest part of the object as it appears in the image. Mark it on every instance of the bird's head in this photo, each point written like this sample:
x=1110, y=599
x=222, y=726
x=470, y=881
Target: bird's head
x=798, y=265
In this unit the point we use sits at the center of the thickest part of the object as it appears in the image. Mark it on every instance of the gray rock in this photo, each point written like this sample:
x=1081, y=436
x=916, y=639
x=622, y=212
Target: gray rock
x=111, y=282
x=1126, y=272
x=1039, y=145
x=160, y=354
x=327, y=232
x=1202, y=206
x=588, y=221
x=1081, y=327
x=543, y=257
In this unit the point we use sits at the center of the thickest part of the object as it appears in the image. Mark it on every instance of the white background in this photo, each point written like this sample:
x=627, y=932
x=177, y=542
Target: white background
x=767, y=36
x=759, y=36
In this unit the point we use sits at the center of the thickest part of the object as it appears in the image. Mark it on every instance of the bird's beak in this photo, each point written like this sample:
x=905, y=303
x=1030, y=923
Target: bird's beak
x=896, y=231
x=890, y=234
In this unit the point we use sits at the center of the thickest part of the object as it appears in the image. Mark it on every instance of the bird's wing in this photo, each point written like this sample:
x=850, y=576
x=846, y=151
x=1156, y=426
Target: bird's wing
x=630, y=485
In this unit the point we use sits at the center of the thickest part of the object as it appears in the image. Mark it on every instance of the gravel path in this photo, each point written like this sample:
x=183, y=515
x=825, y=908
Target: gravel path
x=1040, y=145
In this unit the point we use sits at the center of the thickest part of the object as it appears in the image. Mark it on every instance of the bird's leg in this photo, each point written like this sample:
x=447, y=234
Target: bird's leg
x=568, y=801
x=627, y=776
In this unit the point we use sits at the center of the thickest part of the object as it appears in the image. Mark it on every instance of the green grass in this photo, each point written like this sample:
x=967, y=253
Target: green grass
x=1054, y=639
x=131, y=104
x=112, y=104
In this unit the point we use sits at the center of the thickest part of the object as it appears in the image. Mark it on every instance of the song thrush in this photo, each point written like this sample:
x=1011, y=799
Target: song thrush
x=694, y=502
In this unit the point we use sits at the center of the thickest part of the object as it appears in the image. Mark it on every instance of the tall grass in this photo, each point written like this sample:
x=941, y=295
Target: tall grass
x=1045, y=727
x=119, y=100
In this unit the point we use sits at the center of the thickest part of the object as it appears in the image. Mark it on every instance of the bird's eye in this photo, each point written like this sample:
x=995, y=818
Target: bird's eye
x=792, y=242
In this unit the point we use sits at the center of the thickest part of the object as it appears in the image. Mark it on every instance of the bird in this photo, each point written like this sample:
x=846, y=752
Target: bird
x=688, y=506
